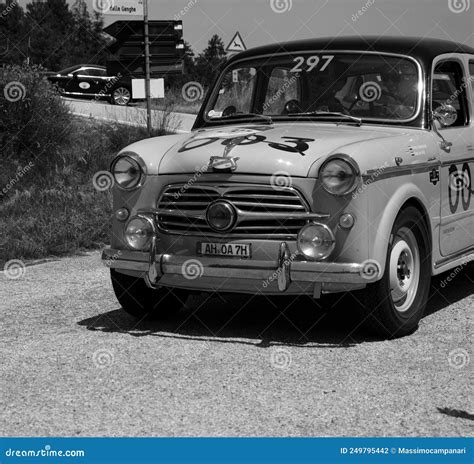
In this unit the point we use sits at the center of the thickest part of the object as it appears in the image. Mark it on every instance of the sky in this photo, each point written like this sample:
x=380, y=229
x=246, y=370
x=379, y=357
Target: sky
x=267, y=21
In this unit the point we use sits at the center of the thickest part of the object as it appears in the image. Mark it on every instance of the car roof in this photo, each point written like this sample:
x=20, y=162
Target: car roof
x=78, y=66
x=424, y=49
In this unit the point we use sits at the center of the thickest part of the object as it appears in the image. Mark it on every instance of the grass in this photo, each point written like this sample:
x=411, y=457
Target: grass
x=56, y=211
x=175, y=100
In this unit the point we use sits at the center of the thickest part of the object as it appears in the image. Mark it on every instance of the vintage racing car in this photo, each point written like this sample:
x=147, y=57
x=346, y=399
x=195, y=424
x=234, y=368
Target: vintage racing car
x=313, y=167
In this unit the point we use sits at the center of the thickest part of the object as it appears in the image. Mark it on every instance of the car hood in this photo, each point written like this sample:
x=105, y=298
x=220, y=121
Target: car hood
x=256, y=149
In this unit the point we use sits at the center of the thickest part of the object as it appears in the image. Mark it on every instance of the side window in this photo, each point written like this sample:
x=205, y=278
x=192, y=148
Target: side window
x=283, y=86
x=471, y=78
x=96, y=72
x=449, y=88
x=83, y=72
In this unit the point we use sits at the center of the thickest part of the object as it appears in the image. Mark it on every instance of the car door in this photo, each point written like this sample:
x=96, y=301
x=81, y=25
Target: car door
x=450, y=86
x=85, y=82
x=100, y=81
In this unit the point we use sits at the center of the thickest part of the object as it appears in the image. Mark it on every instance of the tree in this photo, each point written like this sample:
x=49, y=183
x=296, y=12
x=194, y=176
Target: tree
x=49, y=25
x=87, y=43
x=211, y=60
x=12, y=47
x=51, y=34
x=189, y=62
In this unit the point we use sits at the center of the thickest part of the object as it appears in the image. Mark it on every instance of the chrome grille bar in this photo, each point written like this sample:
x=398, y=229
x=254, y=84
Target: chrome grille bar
x=263, y=211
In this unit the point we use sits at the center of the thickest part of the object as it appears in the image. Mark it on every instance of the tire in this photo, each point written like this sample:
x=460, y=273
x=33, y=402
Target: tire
x=121, y=96
x=393, y=306
x=142, y=302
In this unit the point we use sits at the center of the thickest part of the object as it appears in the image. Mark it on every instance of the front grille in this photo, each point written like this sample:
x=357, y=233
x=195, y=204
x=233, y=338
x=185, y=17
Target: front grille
x=262, y=210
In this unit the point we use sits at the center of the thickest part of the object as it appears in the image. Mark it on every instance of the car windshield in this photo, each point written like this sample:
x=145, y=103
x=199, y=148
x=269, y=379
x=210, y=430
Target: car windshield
x=321, y=86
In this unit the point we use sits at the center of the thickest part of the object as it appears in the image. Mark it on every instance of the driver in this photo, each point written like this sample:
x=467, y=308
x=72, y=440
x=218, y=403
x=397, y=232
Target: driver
x=325, y=85
x=399, y=93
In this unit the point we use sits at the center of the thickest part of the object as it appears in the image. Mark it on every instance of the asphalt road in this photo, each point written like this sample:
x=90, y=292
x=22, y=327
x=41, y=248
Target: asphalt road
x=134, y=115
x=74, y=364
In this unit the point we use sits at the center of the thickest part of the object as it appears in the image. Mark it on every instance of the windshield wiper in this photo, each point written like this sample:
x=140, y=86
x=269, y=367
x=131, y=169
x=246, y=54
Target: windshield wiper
x=263, y=117
x=331, y=114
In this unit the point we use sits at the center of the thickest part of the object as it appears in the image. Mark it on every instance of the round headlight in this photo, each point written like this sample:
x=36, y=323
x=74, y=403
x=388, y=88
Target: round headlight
x=338, y=176
x=127, y=172
x=139, y=232
x=316, y=241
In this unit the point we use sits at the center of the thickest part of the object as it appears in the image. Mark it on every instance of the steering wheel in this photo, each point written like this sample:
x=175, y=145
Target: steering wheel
x=229, y=110
x=291, y=107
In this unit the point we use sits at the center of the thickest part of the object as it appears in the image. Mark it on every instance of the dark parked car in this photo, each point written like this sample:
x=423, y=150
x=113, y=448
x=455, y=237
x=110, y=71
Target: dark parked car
x=88, y=80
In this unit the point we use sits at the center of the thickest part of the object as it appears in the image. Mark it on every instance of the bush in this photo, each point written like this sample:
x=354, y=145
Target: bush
x=60, y=212
x=35, y=124
x=48, y=205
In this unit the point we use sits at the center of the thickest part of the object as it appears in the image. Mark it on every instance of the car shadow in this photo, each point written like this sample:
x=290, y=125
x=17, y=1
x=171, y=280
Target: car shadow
x=450, y=287
x=241, y=319
x=262, y=321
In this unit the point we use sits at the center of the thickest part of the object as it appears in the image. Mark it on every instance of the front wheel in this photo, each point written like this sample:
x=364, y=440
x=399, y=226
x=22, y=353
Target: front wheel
x=393, y=306
x=141, y=302
x=121, y=96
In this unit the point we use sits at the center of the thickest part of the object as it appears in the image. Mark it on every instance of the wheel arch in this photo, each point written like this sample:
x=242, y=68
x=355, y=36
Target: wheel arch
x=403, y=198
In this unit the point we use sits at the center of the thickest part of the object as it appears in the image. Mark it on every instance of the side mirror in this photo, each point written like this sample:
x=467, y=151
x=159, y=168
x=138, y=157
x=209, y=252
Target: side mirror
x=446, y=115
x=70, y=75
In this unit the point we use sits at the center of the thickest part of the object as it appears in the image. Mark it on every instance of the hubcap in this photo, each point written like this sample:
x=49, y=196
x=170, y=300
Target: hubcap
x=404, y=270
x=121, y=96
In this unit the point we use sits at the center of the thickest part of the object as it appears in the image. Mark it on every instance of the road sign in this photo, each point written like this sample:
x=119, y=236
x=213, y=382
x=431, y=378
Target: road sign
x=236, y=44
x=166, y=46
x=157, y=88
x=123, y=7
x=146, y=49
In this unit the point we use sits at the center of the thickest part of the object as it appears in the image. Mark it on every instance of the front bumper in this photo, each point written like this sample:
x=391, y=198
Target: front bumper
x=284, y=274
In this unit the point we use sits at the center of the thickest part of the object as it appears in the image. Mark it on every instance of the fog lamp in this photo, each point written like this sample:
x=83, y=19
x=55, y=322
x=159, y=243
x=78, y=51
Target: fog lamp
x=316, y=241
x=122, y=214
x=139, y=232
x=346, y=221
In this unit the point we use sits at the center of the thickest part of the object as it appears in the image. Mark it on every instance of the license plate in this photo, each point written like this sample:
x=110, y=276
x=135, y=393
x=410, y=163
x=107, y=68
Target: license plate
x=239, y=250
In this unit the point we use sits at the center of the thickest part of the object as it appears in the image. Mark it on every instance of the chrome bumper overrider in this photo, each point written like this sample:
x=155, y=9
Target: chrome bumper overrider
x=283, y=269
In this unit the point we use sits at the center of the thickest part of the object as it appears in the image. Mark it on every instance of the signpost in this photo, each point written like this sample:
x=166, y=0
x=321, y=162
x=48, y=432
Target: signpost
x=147, y=68
x=144, y=49
x=125, y=7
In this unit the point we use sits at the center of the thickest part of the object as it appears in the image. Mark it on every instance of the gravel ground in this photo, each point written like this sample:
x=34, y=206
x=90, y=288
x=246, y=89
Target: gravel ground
x=75, y=365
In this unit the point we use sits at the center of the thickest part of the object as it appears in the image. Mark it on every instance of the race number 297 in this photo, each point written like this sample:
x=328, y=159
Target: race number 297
x=304, y=64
